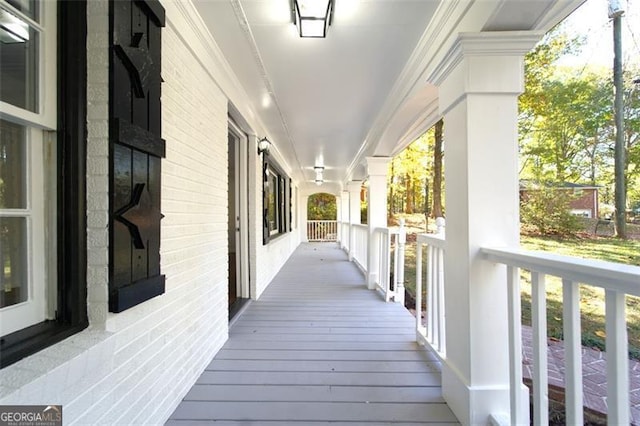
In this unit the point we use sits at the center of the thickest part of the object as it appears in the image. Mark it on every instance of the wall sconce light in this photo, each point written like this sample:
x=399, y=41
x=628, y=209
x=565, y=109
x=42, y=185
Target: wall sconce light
x=263, y=146
x=312, y=17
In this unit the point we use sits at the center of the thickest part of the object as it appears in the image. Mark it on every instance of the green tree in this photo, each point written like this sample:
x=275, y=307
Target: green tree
x=408, y=175
x=547, y=210
x=632, y=133
x=322, y=206
x=437, y=170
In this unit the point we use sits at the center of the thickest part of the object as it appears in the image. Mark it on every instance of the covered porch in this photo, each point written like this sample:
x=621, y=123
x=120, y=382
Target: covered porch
x=318, y=346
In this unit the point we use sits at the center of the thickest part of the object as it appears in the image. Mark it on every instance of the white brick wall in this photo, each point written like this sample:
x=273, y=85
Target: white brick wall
x=134, y=367
x=265, y=260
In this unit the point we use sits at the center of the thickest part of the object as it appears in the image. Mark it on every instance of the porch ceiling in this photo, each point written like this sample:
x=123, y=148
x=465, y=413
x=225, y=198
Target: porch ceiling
x=363, y=90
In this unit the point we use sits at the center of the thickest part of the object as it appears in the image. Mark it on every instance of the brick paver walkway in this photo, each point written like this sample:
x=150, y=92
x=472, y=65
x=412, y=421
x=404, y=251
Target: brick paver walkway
x=594, y=373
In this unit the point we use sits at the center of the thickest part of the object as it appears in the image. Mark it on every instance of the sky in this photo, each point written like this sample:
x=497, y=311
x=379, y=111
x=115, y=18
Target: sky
x=591, y=20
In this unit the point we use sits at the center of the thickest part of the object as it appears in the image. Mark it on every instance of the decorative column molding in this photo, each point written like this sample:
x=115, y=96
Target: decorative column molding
x=376, y=211
x=353, y=188
x=479, y=81
x=471, y=65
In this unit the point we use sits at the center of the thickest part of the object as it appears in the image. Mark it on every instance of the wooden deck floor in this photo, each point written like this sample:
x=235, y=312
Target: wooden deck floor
x=318, y=347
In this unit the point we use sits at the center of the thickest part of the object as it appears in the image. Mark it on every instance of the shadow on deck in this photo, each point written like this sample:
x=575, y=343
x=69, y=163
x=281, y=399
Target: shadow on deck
x=319, y=347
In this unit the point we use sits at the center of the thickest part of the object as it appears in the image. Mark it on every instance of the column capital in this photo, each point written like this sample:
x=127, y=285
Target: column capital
x=377, y=166
x=354, y=186
x=485, y=62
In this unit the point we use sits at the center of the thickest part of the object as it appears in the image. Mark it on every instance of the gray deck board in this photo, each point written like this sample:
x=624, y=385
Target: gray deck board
x=319, y=348
x=308, y=393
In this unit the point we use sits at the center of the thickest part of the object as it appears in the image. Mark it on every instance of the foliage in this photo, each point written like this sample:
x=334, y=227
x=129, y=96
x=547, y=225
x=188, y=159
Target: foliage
x=321, y=206
x=566, y=125
x=547, y=209
x=410, y=172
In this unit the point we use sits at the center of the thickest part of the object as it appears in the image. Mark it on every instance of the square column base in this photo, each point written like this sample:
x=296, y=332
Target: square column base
x=478, y=405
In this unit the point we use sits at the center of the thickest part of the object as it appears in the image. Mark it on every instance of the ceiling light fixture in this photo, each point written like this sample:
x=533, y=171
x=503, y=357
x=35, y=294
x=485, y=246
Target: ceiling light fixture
x=312, y=17
x=319, y=178
x=263, y=146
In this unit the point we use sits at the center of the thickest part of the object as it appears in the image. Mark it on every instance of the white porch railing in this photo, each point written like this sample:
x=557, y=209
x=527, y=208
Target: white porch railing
x=433, y=333
x=385, y=280
x=322, y=230
x=344, y=234
x=617, y=280
x=359, y=247
x=382, y=244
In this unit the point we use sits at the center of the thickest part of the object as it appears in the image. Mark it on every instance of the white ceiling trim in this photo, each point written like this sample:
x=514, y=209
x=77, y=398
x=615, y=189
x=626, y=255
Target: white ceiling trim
x=557, y=13
x=419, y=125
x=448, y=14
x=187, y=24
x=246, y=30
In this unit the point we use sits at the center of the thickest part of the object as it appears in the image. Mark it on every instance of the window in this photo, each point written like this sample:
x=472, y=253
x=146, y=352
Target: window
x=276, y=203
x=42, y=174
x=22, y=228
x=27, y=129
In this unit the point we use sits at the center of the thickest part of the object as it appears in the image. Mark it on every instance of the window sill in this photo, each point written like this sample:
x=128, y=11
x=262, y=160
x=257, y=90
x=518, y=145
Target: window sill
x=25, y=342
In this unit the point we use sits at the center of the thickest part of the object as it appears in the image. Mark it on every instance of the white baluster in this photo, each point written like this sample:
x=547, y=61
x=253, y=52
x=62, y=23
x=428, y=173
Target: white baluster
x=617, y=359
x=418, y=291
x=572, y=352
x=539, y=322
x=400, y=247
x=515, y=345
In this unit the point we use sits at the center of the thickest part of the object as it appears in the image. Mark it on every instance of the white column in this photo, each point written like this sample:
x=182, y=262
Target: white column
x=354, y=188
x=344, y=218
x=479, y=82
x=376, y=210
x=304, y=201
x=338, y=218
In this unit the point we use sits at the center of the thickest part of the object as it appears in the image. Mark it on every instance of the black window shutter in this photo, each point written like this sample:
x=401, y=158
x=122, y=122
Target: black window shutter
x=266, y=232
x=136, y=150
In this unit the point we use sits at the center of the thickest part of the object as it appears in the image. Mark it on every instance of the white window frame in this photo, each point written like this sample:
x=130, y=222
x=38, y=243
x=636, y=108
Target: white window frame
x=41, y=208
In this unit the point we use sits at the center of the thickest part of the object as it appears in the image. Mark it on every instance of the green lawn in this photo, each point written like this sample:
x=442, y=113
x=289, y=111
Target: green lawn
x=591, y=301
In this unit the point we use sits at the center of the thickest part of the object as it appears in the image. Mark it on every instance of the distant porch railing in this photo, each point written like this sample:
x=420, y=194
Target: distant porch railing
x=617, y=280
x=322, y=230
x=391, y=285
x=431, y=331
x=359, y=245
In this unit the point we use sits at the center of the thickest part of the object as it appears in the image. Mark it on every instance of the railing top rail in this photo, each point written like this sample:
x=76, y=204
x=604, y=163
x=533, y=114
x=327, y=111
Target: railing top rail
x=384, y=231
x=327, y=220
x=436, y=240
x=609, y=275
x=359, y=225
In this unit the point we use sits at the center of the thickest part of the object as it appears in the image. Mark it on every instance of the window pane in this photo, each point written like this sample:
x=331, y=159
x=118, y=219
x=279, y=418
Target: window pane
x=13, y=166
x=18, y=62
x=28, y=7
x=271, y=208
x=13, y=261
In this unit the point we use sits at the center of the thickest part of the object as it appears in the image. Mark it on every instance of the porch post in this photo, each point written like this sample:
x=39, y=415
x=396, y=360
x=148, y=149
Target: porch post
x=304, y=237
x=376, y=211
x=344, y=218
x=338, y=217
x=479, y=82
x=354, y=212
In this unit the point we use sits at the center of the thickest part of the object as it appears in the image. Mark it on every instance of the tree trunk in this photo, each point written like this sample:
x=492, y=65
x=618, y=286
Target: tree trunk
x=437, y=171
x=391, y=185
x=408, y=185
